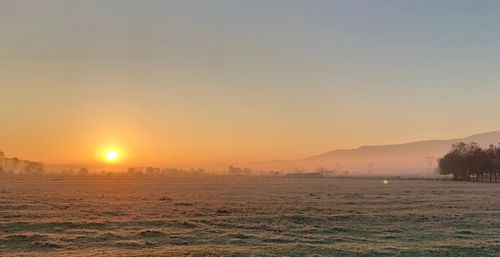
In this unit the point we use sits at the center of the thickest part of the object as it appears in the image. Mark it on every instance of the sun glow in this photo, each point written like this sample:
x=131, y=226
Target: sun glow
x=111, y=155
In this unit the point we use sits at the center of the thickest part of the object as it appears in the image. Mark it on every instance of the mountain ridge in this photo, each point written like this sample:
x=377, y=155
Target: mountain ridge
x=404, y=158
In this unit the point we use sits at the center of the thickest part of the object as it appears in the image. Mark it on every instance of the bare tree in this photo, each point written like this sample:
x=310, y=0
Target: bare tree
x=430, y=163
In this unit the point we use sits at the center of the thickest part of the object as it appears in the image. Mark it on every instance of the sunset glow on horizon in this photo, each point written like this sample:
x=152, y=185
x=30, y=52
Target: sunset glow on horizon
x=249, y=128
x=206, y=83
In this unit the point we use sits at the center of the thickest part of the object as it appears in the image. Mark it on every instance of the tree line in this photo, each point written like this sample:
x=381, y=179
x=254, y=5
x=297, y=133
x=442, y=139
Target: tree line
x=18, y=166
x=470, y=162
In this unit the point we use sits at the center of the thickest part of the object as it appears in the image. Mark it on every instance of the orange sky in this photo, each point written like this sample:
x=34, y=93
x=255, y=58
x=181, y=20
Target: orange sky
x=178, y=84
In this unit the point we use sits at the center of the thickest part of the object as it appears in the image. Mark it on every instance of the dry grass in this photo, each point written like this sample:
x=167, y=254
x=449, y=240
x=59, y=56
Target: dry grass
x=247, y=216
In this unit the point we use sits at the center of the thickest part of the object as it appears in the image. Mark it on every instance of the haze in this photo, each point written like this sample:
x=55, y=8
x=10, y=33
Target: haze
x=215, y=82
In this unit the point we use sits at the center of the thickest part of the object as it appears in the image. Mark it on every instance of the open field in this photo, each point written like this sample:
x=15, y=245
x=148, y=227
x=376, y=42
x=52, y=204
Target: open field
x=247, y=216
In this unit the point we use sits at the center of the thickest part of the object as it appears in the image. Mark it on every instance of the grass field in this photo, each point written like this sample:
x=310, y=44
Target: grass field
x=247, y=216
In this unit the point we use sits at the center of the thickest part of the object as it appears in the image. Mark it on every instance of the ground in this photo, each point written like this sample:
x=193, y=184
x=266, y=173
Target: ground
x=247, y=216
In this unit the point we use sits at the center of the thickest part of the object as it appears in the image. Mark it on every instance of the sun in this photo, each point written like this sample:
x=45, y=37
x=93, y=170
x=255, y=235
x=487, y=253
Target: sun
x=111, y=155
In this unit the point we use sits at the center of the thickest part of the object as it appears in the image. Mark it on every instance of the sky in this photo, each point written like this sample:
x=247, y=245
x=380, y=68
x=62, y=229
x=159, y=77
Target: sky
x=193, y=83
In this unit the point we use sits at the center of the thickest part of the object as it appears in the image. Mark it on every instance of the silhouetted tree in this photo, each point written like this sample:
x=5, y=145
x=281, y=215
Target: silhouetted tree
x=33, y=168
x=494, y=156
x=470, y=161
x=83, y=172
x=234, y=170
x=152, y=171
x=134, y=171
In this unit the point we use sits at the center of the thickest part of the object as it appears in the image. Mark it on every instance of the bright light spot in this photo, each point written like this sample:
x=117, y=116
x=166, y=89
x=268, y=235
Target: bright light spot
x=386, y=181
x=111, y=155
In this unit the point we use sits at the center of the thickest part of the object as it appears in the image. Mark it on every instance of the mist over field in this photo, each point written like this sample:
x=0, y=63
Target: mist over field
x=449, y=210
x=247, y=216
x=414, y=159
x=249, y=128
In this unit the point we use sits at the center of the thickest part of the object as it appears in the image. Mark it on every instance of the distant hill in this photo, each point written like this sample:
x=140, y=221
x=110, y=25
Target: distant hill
x=413, y=158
